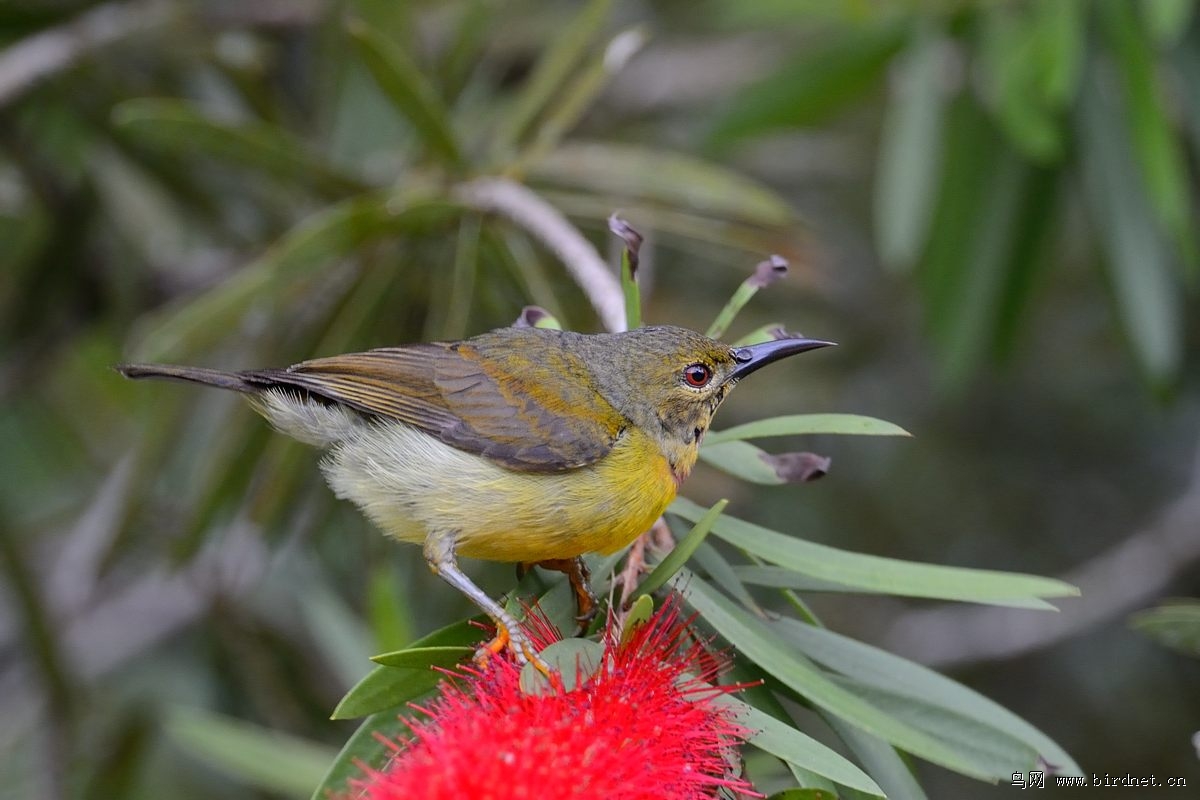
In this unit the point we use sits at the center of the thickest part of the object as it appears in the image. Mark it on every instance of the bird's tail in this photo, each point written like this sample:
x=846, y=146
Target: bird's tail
x=208, y=377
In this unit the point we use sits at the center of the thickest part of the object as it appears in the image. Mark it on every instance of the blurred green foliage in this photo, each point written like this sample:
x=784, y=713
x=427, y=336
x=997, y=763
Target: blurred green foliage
x=251, y=184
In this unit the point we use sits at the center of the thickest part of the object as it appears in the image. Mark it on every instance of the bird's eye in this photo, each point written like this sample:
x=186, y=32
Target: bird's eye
x=697, y=375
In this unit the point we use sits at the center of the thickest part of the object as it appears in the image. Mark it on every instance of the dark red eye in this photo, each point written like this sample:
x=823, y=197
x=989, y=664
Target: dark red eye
x=697, y=375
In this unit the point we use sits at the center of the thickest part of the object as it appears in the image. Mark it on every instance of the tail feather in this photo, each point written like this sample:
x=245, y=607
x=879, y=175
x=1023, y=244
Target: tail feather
x=208, y=377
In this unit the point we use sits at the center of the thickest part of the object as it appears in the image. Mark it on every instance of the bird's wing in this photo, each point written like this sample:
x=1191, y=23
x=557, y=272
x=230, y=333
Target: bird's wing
x=489, y=400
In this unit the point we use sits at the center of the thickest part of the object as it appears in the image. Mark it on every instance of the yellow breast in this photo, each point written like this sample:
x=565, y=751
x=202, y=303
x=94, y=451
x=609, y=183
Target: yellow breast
x=410, y=484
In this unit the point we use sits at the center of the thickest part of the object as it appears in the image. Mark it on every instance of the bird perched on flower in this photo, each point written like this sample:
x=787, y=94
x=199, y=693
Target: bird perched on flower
x=523, y=444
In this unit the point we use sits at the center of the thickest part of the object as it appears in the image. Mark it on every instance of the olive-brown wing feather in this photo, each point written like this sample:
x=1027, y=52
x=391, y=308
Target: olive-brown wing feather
x=481, y=402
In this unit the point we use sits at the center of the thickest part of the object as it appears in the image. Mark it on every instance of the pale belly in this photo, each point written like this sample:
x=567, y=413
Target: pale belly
x=411, y=484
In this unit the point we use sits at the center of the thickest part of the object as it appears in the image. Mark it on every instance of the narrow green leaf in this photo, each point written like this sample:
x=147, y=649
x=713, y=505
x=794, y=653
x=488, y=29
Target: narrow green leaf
x=624, y=171
x=722, y=573
x=464, y=633
x=967, y=322
x=784, y=578
x=824, y=80
x=1031, y=65
x=629, y=265
x=390, y=617
x=445, y=656
x=880, y=759
x=179, y=127
x=766, y=273
x=807, y=424
x=684, y=548
x=795, y=747
x=385, y=688
x=695, y=233
x=466, y=268
x=283, y=271
x=363, y=747
x=803, y=794
x=638, y=615
x=568, y=48
x=910, y=151
x=578, y=96
x=881, y=574
x=764, y=333
x=403, y=82
x=1167, y=20
x=1175, y=624
x=388, y=687
x=337, y=631
x=1138, y=262
x=755, y=640
x=871, y=666
x=575, y=661
x=260, y=757
x=740, y=459
x=1162, y=166
x=990, y=750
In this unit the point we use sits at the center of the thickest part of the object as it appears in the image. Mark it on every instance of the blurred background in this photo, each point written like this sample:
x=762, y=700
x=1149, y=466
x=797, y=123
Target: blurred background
x=991, y=206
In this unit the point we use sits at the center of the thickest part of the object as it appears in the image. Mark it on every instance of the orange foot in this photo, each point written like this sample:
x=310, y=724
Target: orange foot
x=520, y=646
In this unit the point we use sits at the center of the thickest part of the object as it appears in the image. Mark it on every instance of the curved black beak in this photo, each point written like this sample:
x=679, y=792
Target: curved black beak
x=759, y=355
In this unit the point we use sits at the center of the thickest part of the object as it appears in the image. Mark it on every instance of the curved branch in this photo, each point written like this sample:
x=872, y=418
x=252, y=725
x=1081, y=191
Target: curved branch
x=544, y=222
x=51, y=51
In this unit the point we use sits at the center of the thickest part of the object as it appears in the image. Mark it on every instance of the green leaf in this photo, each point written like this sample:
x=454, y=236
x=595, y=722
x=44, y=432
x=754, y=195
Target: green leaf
x=638, y=615
x=795, y=747
x=1162, y=166
x=877, y=668
x=722, y=573
x=881, y=760
x=987, y=749
x=683, y=550
x=624, y=171
x=783, y=578
x=363, y=747
x=179, y=127
x=809, y=90
x=407, y=87
x=879, y=574
x=337, y=631
x=1031, y=62
x=385, y=688
x=1167, y=20
x=1137, y=261
x=803, y=794
x=766, y=273
x=755, y=640
x=574, y=660
x=553, y=69
x=1175, y=624
x=740, y=459
x=424, y=657
x=807, y=424
x=283, y=271
x=258, y=756
x=579, y=94
x=629, y=264
x=967, y=320
x=910, y=151
x=389, y=614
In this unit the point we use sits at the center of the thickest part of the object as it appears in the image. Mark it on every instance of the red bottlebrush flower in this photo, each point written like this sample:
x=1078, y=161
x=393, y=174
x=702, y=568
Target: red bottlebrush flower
x=643, y=726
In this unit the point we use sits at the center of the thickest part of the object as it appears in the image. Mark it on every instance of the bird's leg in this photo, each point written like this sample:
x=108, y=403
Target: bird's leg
x=439, y=554
x=580, y=577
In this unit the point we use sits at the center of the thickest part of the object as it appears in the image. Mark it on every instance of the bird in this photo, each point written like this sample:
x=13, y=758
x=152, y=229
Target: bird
x=521, y=444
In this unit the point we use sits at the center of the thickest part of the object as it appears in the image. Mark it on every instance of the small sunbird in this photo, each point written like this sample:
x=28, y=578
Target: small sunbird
x=524, y=445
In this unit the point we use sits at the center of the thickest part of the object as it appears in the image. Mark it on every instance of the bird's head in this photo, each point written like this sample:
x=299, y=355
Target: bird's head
x=670, y=381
